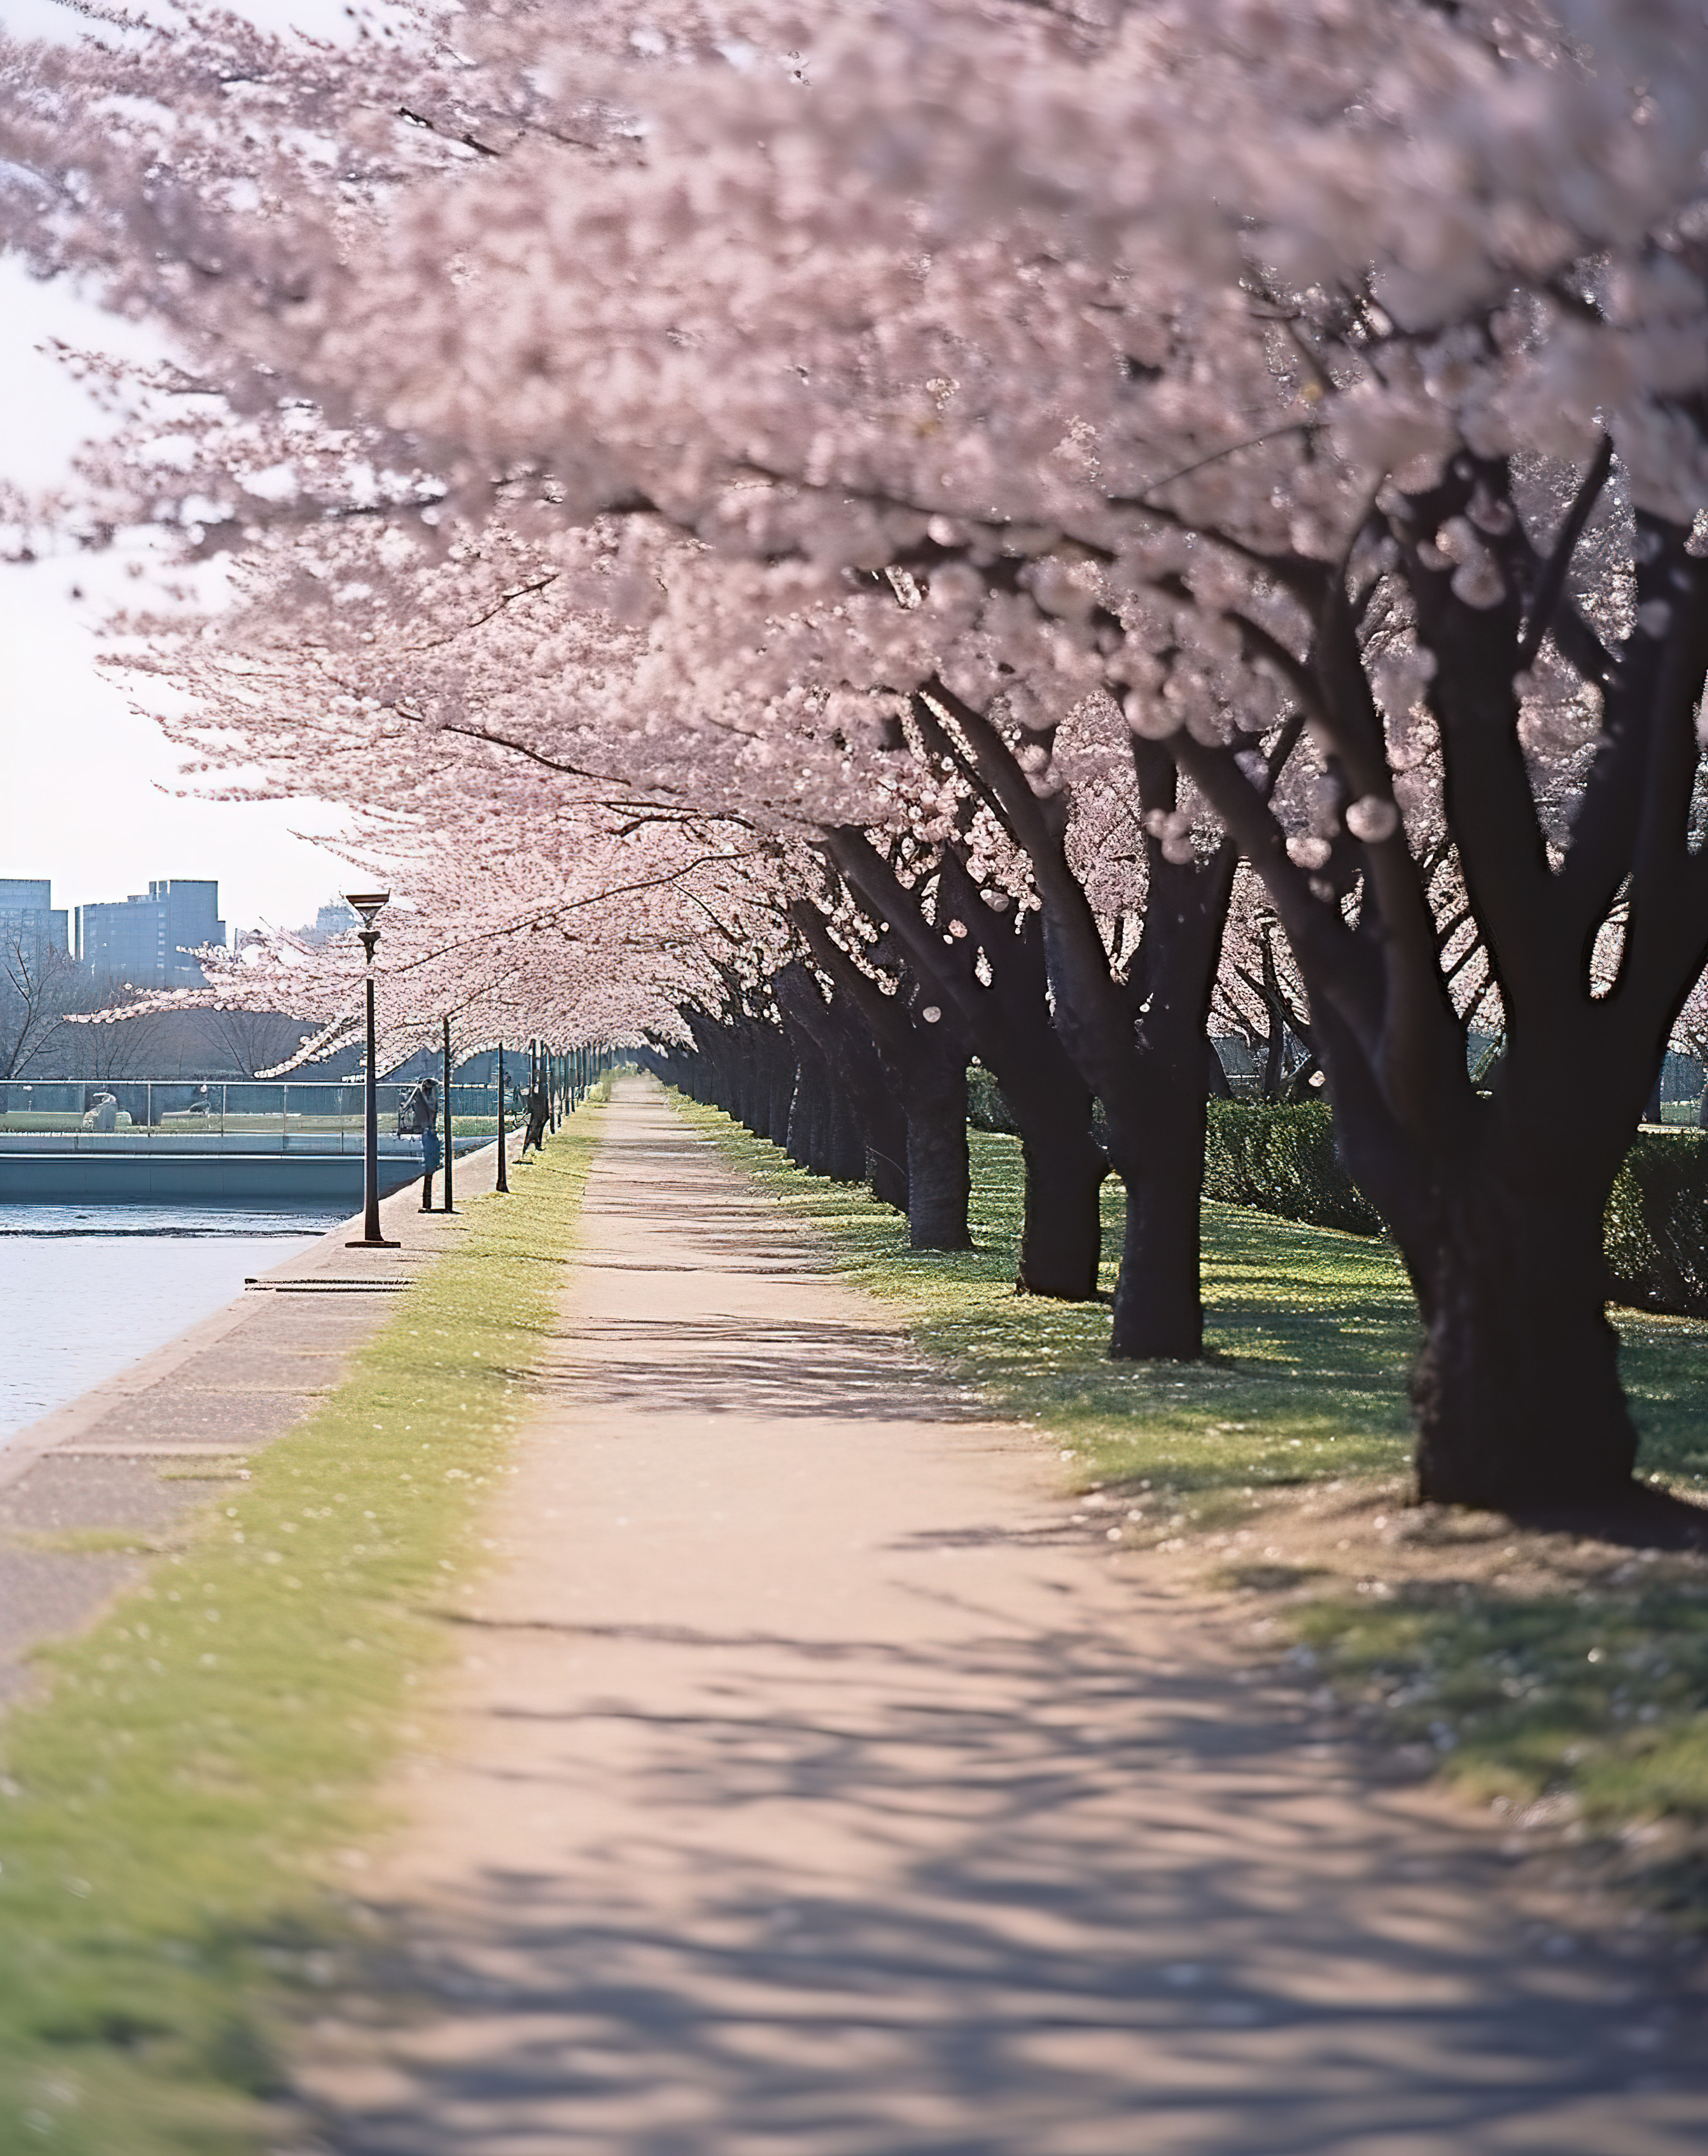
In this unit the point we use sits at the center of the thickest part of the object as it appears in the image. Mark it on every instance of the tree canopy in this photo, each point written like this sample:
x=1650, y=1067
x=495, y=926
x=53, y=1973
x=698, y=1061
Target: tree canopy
x=784, y=431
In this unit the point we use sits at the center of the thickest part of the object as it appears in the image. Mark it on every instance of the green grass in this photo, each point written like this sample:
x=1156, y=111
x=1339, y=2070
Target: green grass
x=1601, y=1691
x=171, y=1815
x=1310, y=1333
x=1663, y=1363
x=1594, y=1700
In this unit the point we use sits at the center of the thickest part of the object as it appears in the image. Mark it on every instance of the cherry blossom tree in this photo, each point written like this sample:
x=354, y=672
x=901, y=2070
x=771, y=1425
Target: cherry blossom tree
x=1009, y=846
x=1342, y=361
x=844, y=1121
x=588, y=939
x=1259, y=999
x=976, y=959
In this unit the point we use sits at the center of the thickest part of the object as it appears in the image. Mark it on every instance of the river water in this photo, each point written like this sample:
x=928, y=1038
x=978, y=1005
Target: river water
x=85, y=1290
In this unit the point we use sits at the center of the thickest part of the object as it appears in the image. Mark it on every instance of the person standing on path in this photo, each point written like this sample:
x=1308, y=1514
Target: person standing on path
x=422, y=1111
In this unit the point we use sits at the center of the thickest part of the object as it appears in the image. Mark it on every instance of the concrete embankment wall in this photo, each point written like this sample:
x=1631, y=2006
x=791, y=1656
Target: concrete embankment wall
x=124, y=1170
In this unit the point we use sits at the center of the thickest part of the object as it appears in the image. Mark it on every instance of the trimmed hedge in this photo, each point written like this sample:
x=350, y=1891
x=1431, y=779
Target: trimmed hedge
x=1657, y=1224
x=1283, y=1161
x=985, y=1108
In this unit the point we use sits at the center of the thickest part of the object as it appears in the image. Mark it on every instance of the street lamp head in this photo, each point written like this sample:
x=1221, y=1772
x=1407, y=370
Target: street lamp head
x=367, y=903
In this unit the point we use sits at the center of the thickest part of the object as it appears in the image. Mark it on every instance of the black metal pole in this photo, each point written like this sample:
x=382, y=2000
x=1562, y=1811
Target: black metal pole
x=371, y=1128
x=503, y=1169
x=370, y=1133
x=449, y=1124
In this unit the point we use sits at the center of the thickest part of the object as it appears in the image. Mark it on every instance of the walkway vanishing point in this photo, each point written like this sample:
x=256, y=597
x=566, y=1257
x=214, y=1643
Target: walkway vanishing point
x=808, y=1789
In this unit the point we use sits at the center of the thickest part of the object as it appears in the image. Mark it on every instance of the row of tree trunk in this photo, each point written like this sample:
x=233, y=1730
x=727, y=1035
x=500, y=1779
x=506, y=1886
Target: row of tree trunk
x=864, y=1087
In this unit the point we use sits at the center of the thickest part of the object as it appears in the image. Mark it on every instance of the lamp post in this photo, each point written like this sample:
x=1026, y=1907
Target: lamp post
x=367, y=906
x=450, y=1122
x=503, y=1176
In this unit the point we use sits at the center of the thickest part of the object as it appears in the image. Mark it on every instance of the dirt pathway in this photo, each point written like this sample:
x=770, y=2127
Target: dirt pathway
x=808, y=1790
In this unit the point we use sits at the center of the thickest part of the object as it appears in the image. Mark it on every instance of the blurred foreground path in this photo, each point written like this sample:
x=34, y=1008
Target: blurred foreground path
x=810, y=1788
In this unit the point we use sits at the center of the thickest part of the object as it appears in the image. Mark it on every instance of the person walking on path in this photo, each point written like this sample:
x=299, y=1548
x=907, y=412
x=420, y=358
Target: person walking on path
x=421, y=1113
x=539, y=1114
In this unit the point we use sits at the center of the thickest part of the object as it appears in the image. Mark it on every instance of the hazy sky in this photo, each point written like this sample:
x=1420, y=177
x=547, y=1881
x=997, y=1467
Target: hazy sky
x=86, y=785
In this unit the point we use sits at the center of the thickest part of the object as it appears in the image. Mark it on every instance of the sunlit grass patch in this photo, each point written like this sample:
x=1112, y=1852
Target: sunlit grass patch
x=1663, y=1362
x=171, y=1815
x=1596, y=1695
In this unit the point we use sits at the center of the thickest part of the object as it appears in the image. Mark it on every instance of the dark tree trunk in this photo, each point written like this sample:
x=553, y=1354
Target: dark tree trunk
x=1299, y=1087
x=812, y=1117
x=737, y=1092
x=1274, y=1062
x=886, y=1158
x=818, y=1131
x=1061, y=1239
x=1150, y=1078
x=878, y=1113
x=1517, y=1390
x=722, y=1091
x=924, y=1066
x=1500, y=1223
x=1159, y=1311
x=1138, y=1044
x=798, y=1143
x=780, y=1065
x=845, y=1149
x=1215, y=1073
x=939, y=1173
x=753, y=1092
x=922, y=1070
x=1007, y=1022
x=1061, y=1235
x=875, y=1151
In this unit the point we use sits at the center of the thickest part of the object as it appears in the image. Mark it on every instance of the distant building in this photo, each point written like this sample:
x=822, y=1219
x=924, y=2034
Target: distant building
x=146, y=940
x=331, y=922
x=27, y=911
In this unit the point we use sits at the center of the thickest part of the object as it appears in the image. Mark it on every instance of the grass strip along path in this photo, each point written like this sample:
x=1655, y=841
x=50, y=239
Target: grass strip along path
x=171, y=1814
x=1564, y=1681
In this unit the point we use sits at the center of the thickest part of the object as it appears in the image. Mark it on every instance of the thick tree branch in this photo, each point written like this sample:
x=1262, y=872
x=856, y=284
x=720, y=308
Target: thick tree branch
x=1545, y=599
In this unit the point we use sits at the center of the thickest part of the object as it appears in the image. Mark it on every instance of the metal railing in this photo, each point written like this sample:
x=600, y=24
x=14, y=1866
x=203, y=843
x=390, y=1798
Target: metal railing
x=318, y=1116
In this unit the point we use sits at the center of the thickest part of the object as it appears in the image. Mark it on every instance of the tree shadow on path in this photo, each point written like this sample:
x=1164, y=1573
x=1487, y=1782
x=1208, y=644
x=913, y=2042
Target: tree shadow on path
x=1044, y=1895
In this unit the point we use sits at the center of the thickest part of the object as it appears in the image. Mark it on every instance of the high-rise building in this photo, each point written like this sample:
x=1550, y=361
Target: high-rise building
x=331, y=922
x=27, y=911
x=146, y=939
